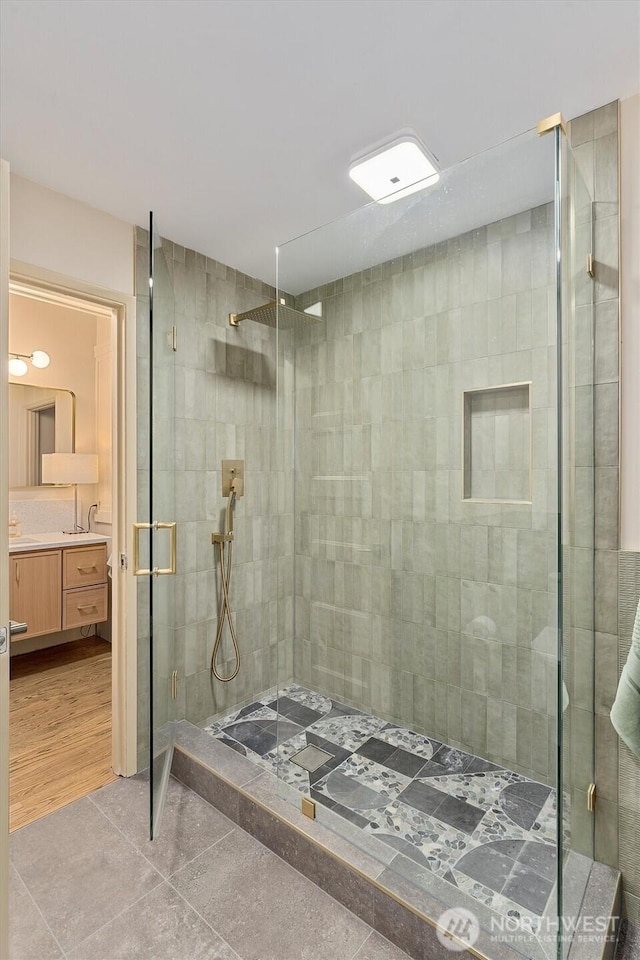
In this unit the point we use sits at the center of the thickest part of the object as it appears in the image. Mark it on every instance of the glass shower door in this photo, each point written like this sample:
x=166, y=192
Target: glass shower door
x=576, y=557
x=161, y=566
x=425, y=529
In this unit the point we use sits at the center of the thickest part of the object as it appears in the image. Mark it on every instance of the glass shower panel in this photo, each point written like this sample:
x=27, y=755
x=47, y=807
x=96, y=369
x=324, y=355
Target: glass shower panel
x=577, y=621
x=422, y=684
x=162, y=535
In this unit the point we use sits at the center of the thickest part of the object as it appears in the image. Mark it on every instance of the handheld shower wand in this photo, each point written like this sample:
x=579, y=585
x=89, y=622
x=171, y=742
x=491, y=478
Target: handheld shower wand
x=225, y=615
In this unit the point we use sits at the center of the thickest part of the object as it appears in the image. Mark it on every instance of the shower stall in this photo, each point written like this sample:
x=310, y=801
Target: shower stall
x=413, y=572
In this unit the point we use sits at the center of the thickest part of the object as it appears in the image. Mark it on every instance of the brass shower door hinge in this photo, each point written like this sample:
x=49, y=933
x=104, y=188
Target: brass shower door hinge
x=591, y=265
x=174, y=684
x=591, y=798
x=550, y=123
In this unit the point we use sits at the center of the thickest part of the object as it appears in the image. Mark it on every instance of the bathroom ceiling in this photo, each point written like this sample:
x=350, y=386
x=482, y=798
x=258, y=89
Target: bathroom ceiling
x=236, y=120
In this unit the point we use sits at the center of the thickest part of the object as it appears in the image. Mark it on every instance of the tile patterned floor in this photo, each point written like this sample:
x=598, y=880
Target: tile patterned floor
x=86, y=884
x=483, y=828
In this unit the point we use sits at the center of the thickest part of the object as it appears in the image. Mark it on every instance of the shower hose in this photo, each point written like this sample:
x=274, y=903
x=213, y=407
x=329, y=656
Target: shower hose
x=225, y=614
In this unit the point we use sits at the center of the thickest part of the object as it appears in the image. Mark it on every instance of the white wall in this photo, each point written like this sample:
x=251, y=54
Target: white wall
x=69, y=337
x=630, y=322
x=57, y=233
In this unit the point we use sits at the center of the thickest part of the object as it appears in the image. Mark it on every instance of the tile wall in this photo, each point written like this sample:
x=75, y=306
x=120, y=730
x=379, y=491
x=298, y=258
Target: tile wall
x=43, y=516
x=628, y=765
x=411, y=601
x=595, y=140
x=225, y=408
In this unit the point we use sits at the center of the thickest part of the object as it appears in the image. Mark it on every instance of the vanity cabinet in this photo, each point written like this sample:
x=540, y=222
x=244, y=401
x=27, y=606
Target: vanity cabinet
x=53, y=590
x=35, y=591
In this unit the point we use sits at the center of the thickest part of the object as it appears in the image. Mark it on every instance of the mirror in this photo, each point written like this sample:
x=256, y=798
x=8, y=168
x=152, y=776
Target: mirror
x=41, y=420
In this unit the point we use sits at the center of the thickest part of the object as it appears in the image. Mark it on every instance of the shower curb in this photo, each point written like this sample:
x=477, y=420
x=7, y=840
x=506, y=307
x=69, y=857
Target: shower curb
x=406, y=916
x=602, y=898
x=395, y=921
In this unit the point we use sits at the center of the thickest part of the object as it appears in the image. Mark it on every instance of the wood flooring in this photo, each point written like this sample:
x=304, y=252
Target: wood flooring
x=59, y=727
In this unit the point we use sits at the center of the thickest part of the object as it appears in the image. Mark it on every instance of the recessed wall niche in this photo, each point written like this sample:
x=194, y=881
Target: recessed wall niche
x=497, y=443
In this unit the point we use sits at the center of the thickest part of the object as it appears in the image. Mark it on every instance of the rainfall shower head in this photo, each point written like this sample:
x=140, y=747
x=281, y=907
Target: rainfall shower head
x=268, y=313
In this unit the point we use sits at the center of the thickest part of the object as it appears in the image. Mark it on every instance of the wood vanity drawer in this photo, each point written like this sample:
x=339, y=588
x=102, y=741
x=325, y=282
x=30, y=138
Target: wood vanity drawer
x=82, y=566
x=81, y=607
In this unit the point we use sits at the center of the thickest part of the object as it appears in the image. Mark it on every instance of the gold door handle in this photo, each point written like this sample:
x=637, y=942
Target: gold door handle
x=86, y=569
x=173, y=548
x=157, y=571
x=139, y=571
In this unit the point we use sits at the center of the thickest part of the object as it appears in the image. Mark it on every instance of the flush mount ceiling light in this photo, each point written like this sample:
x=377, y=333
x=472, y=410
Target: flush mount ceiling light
x=18, y=366
x=395, y=170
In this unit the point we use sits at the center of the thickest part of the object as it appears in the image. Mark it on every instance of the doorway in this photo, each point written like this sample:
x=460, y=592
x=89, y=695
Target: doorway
x=66, y=731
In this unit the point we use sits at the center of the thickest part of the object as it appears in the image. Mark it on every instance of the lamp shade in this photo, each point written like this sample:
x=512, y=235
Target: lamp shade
x=69, y=468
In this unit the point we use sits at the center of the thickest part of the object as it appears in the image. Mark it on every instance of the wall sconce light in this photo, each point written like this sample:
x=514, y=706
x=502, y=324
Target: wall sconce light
x=18, y=366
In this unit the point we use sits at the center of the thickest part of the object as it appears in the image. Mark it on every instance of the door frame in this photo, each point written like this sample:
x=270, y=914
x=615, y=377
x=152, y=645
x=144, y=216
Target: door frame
x=57, y=287
x=4, y=552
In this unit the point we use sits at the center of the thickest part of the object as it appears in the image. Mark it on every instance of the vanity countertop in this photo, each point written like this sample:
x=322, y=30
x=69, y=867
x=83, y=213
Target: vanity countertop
x=43, y=541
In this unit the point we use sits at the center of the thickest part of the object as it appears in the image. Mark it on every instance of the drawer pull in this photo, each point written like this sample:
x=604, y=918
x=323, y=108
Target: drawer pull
x=87, y=606
x=86, y=569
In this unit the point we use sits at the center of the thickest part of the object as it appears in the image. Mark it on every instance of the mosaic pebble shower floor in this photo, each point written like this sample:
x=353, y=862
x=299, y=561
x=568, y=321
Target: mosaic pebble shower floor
x=486, y=830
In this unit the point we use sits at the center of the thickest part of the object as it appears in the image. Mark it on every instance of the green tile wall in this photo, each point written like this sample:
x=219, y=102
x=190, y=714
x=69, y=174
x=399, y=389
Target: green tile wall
x=595, y=139
x=225, y=408
x=623, y=763
x=412, y=602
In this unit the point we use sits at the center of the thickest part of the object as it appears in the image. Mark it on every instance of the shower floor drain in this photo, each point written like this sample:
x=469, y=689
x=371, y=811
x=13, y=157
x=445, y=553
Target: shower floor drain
x=310, y=758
